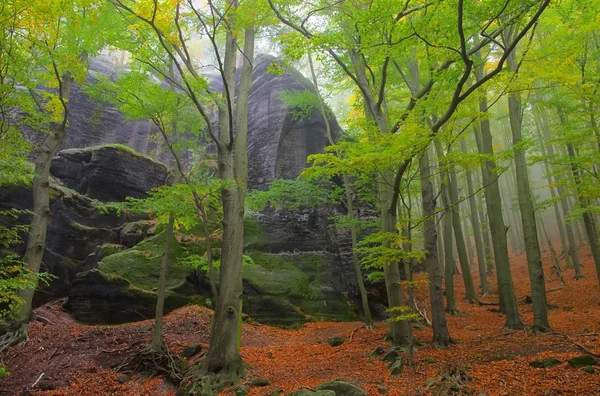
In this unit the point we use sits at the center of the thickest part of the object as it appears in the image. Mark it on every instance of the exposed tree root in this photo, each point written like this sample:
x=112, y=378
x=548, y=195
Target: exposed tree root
x=15, y=334
x=198, y=382
x=452, y=381
x=154, y=361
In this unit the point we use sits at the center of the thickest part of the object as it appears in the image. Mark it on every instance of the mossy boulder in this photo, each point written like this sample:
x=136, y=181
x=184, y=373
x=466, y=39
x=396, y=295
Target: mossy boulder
x=545, y=363
x=123, y=287
x=134, y=232
x=140, y=265
x=299, y=280
x=342, y=388
x=582, y=361
x=99, y=298
x=76, y=228
x=308, y=392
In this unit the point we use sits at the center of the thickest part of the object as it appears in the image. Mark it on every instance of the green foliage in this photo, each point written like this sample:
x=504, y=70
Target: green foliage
x=401, y=313
x=14, y=275
x=302, y=103
x=288, y=194
x=380, y=249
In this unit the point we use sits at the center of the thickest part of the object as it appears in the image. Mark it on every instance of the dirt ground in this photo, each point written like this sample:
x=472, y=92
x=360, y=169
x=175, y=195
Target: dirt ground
x=64, y=357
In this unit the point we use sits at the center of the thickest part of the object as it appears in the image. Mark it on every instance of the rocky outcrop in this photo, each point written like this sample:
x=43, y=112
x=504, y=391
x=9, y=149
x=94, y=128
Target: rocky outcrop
x=75, y=229
x=277, y=143
x=108, y=173
x=98, y=298
x=301, y=266
x=77, y=226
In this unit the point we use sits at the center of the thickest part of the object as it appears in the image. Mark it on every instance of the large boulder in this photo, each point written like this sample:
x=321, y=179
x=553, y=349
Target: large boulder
x=77, y=226
x=302, y=267
x=75, y=229
x=108, y=173
x=98, y=298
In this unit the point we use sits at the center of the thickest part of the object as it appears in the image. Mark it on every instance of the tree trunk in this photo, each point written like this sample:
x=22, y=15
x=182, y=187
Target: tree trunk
x=471, y=296
x=40, y=187
x=527, y=210
x=399, y=330
x=481, y=258
x=506, y=291
x=441, y=336
x=355, y=261
x=157, y=336
x=588, y=218
x=448, y=244
x=223, y=354
x=572, y=246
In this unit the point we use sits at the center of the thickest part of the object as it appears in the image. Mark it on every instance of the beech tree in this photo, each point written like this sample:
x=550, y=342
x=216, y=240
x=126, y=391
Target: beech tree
x=171, y=24
x=49, y=54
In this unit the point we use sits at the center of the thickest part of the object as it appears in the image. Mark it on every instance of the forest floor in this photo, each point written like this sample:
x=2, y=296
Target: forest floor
x=80, y=360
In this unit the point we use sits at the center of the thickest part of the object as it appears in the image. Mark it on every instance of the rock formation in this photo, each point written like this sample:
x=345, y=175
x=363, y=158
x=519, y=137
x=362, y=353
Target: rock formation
x=299, y=270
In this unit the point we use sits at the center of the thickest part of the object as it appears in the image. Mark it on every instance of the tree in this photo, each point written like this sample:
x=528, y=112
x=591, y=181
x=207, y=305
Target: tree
x=170, y=25
x=56, y=56
x=526, y=206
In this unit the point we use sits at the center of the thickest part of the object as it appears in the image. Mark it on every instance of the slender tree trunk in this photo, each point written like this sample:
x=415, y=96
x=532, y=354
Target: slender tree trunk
x=355, y=261
x=40, y=187
x=588, y=218
x=572, y=247
x=450, y=264
x=440, y=242
x=471, y=296
x=157, y=336
x=441, y=336
x=527, y=210
x=399, y=330
x=481, y=258
x=551, y=187
x=506, y=291
x=223, y=354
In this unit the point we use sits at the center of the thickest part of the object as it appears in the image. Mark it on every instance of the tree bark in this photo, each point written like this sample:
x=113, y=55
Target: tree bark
x=399, y=330
x=441, y=336
x=506, y=291
x=527, y=210
x=481, y=258
x=157, y=336
x=223, y=354
x=40, y=187
x=572, y=244
x=471, y=296
x=449, y=261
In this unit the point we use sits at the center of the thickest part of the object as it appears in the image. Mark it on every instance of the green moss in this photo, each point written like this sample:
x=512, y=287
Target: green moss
x=141, y=264
x=303, y=279
x=123, y=148
x=108, y=249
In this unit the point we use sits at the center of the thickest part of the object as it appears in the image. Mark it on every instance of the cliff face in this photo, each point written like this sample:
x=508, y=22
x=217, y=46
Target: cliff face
x=300, y=265
x=277, y=144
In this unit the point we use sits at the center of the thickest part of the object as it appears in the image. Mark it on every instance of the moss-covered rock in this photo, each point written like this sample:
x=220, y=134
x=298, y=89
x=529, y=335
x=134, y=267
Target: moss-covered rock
x=134, y=232
x=582, y=361
x=299, y=280
x=140, y=265
x=545, y=363
x=342, y=388
x=99, y=298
